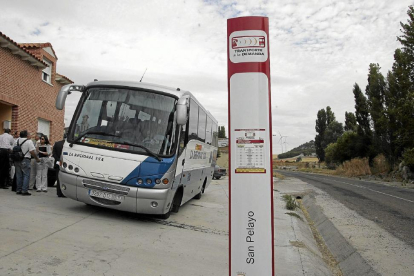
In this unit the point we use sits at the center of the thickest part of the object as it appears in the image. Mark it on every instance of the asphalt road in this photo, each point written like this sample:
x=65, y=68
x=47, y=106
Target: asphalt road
x=390, y=207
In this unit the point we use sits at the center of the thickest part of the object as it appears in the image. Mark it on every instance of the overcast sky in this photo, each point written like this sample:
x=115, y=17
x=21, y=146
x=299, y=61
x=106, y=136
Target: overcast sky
x=318, y=49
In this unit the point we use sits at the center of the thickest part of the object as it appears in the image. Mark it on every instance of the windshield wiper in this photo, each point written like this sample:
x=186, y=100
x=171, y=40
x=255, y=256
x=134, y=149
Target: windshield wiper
x=90, y=132
x=144, y=148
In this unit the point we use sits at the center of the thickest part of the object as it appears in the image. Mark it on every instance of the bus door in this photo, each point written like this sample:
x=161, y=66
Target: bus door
x=181, y=158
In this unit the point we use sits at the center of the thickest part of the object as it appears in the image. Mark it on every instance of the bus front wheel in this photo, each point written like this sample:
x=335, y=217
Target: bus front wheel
x=166, y=215
x=175, y=205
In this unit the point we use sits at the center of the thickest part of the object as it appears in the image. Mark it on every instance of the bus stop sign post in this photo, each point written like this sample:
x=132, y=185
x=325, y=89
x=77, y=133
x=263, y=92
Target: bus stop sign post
x=250, y=167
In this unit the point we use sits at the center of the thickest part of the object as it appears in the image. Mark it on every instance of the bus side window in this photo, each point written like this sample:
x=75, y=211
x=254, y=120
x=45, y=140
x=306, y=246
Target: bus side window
x=215, y=135
x=208, y=131
x=193, y=121
x=183, y=139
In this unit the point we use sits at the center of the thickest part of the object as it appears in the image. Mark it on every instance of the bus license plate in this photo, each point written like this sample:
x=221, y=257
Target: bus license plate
x=106, y=195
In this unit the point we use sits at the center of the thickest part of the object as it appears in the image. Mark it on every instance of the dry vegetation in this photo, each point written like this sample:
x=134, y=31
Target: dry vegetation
x=352, y=168
x=223, y=160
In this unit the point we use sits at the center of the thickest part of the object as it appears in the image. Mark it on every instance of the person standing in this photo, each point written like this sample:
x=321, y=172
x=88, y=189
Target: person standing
x=23, y=167
x=33, y=168
x=56, y=153
x=43, y=150
x=13, y=169
x=15, y=135
x=6, y=145
x=12, y=178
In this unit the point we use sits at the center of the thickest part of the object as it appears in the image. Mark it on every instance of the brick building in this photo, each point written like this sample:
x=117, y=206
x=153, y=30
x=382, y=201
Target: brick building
x=28, y=88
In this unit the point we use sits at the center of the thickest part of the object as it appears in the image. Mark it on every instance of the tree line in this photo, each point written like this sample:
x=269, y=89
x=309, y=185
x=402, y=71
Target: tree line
x=306, y=149
x=383, y=121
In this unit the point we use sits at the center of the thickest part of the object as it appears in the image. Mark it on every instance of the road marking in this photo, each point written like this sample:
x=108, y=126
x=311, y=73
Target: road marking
x=362, y=187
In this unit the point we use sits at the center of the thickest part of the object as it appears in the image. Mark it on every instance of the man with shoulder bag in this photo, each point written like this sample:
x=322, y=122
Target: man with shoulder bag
x=21, y=155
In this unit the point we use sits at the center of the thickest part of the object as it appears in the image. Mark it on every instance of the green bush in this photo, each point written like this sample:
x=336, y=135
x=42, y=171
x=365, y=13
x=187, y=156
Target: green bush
x=408, y=157
x=290, y=202
x=331, y=153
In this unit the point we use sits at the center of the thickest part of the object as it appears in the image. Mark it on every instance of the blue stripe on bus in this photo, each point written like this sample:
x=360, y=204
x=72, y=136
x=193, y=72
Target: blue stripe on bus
x=150, y=168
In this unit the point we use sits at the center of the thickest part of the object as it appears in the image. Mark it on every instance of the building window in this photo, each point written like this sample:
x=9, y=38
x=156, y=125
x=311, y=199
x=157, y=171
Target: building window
x=47, y=72
x=43, y=127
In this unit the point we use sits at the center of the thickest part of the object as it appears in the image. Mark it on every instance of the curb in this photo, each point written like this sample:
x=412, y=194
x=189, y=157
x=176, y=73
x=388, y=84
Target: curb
x=349, y=260
x=296, y=251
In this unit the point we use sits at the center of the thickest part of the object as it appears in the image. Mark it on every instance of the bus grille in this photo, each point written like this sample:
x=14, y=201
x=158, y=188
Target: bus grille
x=103, y=186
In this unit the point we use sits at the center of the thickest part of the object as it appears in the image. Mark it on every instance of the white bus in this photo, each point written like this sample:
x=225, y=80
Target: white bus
x=137, y=147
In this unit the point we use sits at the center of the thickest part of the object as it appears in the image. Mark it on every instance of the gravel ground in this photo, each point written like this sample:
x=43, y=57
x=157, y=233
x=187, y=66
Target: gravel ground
x=384, y=252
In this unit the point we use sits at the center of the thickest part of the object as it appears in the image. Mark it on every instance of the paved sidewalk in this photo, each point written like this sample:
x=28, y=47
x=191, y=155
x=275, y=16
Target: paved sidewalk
x=296, y=252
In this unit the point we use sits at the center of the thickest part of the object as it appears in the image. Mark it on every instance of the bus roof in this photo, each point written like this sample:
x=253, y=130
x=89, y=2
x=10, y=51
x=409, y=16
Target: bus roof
x=134, y=84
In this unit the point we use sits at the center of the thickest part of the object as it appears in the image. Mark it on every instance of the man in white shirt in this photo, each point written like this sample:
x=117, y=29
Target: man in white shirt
x=23, y=167
x=6, y=145
x=33, y=168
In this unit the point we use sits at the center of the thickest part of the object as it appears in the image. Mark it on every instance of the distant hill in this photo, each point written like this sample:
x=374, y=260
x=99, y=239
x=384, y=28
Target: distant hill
x=305, y=149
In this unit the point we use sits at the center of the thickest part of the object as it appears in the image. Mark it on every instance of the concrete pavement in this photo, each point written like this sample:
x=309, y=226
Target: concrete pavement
x=296, y=251
x=46, y=235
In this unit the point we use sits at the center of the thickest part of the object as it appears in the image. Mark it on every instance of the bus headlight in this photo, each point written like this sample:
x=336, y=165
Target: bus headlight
x=157, y=181
x=148, y=181
x=165, y=181
x=140, y=181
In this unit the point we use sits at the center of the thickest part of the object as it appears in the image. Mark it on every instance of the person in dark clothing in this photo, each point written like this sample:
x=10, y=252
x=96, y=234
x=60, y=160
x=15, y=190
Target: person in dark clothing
x=56, y=153
x=4, y=168
x=6, y=145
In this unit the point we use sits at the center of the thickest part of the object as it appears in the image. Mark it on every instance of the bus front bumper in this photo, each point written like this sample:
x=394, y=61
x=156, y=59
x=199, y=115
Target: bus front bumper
x=115, y=196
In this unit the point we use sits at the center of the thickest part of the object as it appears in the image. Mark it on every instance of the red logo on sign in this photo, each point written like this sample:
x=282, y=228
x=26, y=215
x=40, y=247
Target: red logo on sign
x=248, y=42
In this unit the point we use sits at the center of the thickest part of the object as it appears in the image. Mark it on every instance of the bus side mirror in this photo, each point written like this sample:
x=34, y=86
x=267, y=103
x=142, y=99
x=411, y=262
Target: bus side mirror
x=182, y=111
x=64, y=92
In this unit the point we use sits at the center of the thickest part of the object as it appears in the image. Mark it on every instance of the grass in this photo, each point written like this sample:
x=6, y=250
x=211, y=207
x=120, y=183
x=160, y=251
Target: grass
x=327, y=255
x=290, y=202
x=294, y=215
x=310, y=159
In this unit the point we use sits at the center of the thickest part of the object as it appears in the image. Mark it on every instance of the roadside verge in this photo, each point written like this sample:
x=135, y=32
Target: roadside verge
x=348, y=259
x=296, y=252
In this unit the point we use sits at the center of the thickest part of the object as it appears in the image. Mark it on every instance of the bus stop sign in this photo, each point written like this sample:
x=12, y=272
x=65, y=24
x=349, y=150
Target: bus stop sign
x=250, y=151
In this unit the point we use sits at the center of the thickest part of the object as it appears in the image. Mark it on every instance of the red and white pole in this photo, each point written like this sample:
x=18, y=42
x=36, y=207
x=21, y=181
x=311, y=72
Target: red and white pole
x=250, y=151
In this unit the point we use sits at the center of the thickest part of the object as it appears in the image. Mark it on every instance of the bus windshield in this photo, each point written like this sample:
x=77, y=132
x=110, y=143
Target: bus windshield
x=131, y=120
